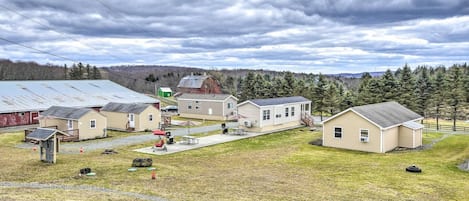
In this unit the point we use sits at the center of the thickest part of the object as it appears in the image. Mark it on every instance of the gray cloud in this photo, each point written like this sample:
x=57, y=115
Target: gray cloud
x=306, y=36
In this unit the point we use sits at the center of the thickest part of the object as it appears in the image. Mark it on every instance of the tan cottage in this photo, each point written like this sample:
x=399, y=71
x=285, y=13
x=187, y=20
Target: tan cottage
x=79, y=123
x=261, y=115
x=131, y=117
x=207, y=106
x=376, y=128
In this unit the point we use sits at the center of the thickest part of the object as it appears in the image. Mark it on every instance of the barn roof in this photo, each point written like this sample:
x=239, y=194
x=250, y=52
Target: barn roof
x=277, y=101
x=192, y=81
x=65, y=112
x=42, y=134
x=125, y=107
x=205, y=96
x=39, y=95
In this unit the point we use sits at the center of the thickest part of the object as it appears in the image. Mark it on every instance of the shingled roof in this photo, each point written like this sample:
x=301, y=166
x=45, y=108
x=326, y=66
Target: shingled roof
x=278, y=101
x=125, y=107
x=192, y=81
x=205, y=96
x=385, y=114
x=42, y=134
x=65, y=112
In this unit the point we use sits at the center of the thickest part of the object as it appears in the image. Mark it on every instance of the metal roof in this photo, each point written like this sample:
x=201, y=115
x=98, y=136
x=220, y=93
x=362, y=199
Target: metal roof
x=205, y=96
x=279, y=101
x=192, y=81
x=43, y=134
x=412, y=125
x=166, y=89
x=125, y=107
x=65, y=112
x=386, y=114
x=20, y=96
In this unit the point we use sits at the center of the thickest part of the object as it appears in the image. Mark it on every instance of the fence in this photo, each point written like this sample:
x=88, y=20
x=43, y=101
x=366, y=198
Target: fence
x=446, y=128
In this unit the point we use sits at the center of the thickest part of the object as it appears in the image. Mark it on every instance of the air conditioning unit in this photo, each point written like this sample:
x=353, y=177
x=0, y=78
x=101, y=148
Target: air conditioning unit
x=247, y=124
x=363, y=139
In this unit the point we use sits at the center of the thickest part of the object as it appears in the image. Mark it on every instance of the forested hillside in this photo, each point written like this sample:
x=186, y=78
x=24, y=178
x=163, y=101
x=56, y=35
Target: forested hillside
x=440, y=92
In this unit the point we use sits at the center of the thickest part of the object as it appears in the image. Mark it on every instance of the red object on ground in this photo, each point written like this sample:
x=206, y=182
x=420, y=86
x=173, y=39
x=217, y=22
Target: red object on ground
x=159, y=132
x=81, y=150
x=153, y=174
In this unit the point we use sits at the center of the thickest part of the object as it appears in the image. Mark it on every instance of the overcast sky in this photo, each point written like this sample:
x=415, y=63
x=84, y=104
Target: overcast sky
x=315, y=36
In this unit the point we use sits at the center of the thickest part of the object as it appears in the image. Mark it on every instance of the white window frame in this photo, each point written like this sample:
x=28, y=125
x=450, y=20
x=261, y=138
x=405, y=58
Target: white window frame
x=150, y=117
x=287, y=112
x=265, y=115
x=91, y=125
x=341, y=133
x=292, y=111
x=367, y=138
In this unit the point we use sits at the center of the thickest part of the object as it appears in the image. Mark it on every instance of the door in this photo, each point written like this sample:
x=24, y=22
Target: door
x=70, y=127
x=210, y=112
x=131, y=120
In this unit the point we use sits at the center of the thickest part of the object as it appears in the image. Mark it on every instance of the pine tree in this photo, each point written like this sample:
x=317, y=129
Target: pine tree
x=65, y=71
x=88, y=71
x=247, y=87
x=438, y=95
x=424, y=91
x=375, y=92
x=96, y=74
x=407, y=90
x=390, y=87
x=80, y=71
x=290, y=84
x=455, y=92
x=319, y=94
x=331, y=99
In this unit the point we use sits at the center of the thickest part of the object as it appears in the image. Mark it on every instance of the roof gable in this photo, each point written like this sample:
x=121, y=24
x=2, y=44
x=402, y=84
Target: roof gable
x=65, y=112
x=42, y=134
x=384, y=115
x=192, y=81
x=279, y=101
x=125, y=107
x=220, y=97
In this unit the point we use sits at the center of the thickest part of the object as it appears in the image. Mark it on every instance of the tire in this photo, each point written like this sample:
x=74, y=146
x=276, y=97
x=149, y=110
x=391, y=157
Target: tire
x=413, y=168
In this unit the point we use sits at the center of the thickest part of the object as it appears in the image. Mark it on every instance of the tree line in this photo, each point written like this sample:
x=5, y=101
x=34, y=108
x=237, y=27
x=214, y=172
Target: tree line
x=437, y=92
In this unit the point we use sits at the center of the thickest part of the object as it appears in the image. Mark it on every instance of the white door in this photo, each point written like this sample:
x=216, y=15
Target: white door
x=210, y=111
x=131, y=120
x=70, y=127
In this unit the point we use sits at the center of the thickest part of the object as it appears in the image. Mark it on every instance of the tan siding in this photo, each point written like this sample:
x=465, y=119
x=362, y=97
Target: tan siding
x=60, y=123
x=142, y=121
x=418, y=137
x=115, y=120
x=230, y=111
x=84, y=126
x=406, y=137
x=251, y=113
x=390, y=139
x=201, y=108
x=351, y=124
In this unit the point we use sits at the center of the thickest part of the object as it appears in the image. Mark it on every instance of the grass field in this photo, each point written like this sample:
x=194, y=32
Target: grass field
x=280, y=166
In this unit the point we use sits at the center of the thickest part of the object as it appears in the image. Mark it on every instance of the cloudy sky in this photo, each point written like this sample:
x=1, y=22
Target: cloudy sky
x=327, y=36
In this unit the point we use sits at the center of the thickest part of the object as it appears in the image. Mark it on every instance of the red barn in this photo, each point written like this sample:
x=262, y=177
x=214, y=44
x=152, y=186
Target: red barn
x=200, y=84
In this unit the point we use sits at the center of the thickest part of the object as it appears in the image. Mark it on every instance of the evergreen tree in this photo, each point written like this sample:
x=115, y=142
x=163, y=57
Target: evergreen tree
x=247, y=87
x=88, y=71
x=319, y=94
x=363, y=90
x=455, y=92
x=390, y=87
x=260, y=87
x=65, y=72
x=331, y=99
x=278, y=85
x=290, y=84
x=424, y=91
x=438, y=95
x=75, y=73
x=96, y=74
x=80, y=71
x=407, y=95
x=375, y=93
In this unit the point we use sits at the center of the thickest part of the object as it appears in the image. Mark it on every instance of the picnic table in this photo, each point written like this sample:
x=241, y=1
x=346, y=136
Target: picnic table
x=189, y=140
x=238, y=131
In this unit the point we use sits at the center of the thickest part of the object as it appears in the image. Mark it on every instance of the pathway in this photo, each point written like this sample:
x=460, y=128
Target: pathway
x=206, y=141
x=80, y=187
x=91, y=145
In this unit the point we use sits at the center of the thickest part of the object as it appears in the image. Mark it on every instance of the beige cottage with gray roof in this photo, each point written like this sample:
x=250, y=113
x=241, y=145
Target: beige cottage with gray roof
x=207, y=106
x=132, y=117
x=78, y=123
x=379, y=128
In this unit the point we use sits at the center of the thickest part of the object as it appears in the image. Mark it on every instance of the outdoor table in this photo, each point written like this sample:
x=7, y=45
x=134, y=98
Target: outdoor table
x=189, y=140
x=238, y=131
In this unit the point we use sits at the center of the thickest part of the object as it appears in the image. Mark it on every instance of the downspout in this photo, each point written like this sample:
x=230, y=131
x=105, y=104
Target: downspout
x=381, y=141
x=413, y=138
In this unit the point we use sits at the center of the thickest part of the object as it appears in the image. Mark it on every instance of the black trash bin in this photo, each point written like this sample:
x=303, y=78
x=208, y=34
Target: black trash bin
x=170, y=138
x=223, y=125
x=225, y=130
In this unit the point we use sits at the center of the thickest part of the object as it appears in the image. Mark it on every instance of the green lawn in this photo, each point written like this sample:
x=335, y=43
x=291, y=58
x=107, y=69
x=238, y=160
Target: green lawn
x=280, y=166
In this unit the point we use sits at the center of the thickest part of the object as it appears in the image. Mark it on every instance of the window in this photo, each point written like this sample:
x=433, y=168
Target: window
x=230, y=105
x=286, y=112
x=93, y=123
x=364, y=135
x=337, y=132
x=278, y=115
x=189, y=107
x=266, y=114
x=196, y=107
x=292, y=111
x=196, y=101
x=150, y=117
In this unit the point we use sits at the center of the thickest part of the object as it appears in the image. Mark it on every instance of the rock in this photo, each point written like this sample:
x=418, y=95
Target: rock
x=142, y=162
x=109, y=151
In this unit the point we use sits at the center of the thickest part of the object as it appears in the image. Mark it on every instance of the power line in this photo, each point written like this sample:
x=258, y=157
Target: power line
x=38, y=50
x=52, y=29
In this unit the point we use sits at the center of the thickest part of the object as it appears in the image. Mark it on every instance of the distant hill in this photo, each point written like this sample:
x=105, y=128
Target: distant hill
x=356, y=75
